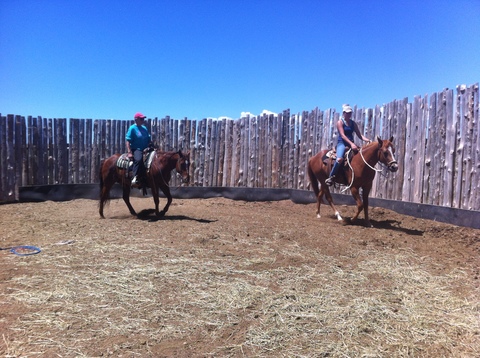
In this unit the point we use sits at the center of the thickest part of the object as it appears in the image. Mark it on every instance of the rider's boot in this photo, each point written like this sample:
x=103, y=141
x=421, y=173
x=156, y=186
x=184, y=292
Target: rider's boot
x=331, y=178
x=135, y=182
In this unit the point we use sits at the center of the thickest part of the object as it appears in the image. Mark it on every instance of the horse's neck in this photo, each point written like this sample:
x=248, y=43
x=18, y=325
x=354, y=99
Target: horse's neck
x=169, y=163
x=369, y=154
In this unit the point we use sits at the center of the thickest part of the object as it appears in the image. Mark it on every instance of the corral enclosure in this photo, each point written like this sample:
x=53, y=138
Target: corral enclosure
x=224, y=278
x=437, y=140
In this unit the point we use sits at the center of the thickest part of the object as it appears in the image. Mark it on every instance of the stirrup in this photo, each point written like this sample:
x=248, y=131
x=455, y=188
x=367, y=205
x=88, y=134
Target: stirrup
x=330, y=180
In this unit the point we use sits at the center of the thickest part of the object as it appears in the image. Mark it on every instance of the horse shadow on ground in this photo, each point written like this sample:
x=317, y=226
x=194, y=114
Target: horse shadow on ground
x=149, y=215
x=393, y=225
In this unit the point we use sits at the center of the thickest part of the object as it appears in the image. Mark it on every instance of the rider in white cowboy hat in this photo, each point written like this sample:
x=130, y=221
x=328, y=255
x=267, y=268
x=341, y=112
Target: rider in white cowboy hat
x=346, y=127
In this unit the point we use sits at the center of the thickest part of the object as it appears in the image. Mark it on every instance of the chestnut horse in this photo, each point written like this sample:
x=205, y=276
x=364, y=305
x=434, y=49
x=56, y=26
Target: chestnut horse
x=359, y=173
x=158, y=177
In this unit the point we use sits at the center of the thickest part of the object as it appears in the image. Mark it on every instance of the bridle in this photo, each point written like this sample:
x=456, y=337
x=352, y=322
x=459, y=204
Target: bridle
x=389, y=165
x=178, y=166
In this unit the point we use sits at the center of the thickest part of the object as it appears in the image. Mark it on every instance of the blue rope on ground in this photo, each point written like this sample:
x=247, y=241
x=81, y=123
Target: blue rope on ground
x=33, y=250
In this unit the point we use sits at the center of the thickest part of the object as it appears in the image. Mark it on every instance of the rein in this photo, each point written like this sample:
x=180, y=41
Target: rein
x=368, y=165
x=353, y=173
x=380, y=171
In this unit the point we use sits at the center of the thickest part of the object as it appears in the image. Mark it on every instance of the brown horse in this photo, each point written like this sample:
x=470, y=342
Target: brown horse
x=158, y=177
x=359, y=173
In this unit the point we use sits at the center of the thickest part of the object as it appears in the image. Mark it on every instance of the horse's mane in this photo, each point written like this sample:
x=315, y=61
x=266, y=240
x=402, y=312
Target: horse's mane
x=371, y=144
x=163, y=157
x=163, y=153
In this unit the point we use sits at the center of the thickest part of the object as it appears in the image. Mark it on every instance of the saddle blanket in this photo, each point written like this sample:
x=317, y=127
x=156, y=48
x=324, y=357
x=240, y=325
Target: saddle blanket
x=124, y=162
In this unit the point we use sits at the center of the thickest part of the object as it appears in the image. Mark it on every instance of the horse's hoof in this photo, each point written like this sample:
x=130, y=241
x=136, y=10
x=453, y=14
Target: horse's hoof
x=161, y=214
x=318, y=216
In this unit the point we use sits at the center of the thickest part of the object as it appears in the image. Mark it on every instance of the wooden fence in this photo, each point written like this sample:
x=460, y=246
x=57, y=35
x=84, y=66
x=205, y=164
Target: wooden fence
x=437, y=140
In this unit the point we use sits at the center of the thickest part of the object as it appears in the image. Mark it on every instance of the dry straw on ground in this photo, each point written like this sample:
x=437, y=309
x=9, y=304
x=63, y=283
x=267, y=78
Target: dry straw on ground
x=101, y=294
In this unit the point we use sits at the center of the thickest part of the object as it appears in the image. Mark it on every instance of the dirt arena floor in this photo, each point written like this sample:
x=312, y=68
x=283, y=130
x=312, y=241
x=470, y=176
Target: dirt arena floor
x=224, y=278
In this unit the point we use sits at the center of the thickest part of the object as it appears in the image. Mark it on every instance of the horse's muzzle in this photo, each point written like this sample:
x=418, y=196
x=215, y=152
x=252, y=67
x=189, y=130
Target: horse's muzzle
x=184, y=178
x=393, y=166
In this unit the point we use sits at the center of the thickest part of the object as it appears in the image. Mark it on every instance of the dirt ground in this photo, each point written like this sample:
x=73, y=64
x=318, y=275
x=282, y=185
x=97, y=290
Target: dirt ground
x=224, y=278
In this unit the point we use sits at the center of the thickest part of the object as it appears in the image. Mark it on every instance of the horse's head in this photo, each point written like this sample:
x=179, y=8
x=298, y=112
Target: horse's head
x=386, y=155
x=183, y=166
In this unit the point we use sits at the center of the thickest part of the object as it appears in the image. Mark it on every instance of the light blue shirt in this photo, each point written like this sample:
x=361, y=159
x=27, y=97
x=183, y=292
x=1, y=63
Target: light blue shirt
x=138, y=137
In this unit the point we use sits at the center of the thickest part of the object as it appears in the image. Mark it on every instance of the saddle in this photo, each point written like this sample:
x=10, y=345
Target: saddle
x=124, y=162
x=329, y=159
x=331, y=156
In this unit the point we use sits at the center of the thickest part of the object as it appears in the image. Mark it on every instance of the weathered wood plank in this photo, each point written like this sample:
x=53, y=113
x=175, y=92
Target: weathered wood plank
x=227, y=153
x=194, y=153
x=10, y=159
x=24, y=153
x=469, y=150
x=450, y=132
x=430, y=152
x=252, y=149
x=3, y=154
x=220, y=143
x=474, y=202
x=237, y=153
x=269, y=143
x=262, y=152
x=399, y=142
x=245, y=152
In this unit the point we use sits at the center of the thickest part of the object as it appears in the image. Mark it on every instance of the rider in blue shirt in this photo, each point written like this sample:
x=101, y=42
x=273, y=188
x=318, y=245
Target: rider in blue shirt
x=346, y=127
x=138, y=138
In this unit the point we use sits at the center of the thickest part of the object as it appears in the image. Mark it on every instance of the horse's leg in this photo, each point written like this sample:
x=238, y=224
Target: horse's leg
x=126, y=197
x=104, y=194
x=105, y=187
x=314, y=183
x=365, y=193
x=166, y=191
x=156, y=199
x=325, y=190
x=319, y=202
x=358, y=200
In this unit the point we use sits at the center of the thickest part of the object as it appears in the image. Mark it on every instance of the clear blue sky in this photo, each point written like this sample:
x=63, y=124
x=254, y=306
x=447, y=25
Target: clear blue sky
x=211, y=58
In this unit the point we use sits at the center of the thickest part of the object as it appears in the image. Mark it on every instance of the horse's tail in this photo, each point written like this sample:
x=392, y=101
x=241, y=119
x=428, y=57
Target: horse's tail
x=101, y=176
x=313, y=177
x=104, y=192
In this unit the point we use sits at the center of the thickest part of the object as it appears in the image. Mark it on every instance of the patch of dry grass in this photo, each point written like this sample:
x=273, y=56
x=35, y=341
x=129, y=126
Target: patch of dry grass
x=97, y=297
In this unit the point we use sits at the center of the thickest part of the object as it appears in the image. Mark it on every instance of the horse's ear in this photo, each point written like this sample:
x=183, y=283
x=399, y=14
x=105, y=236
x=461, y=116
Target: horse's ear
x=380, y=141
x=391, y=139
